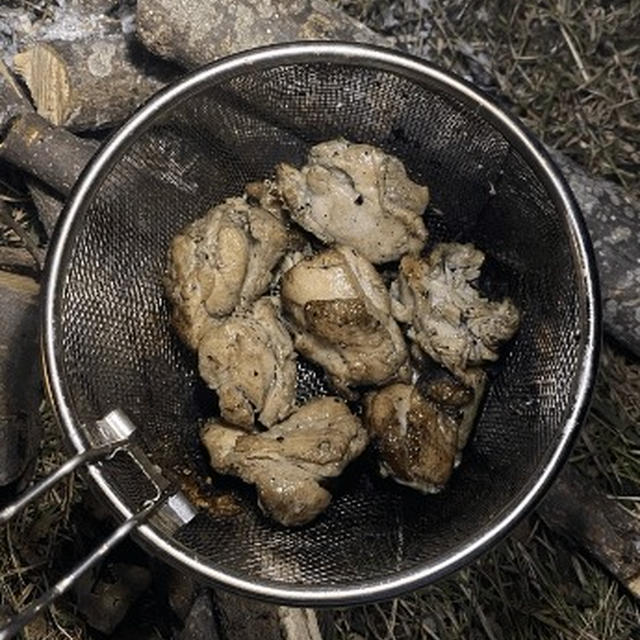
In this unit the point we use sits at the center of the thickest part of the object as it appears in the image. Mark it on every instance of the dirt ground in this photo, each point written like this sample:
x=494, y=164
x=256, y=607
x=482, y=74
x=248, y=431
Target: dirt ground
x=570, y=69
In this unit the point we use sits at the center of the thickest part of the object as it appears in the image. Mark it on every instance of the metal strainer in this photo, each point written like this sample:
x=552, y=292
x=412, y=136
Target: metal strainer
x=108, y=342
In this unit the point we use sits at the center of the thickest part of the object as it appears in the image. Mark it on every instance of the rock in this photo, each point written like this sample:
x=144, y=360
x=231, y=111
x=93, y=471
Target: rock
x=105, y=604
x=201, y=622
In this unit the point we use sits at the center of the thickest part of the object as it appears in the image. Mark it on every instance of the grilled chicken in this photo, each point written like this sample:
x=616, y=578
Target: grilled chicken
x=360, y=201
x=356, y=195
x=449, y=318
x=289, y=462
x=221, y=262
x=248, y=359
x=415, y=439
x=460, y=399
x=339, y=311
x=420, y=430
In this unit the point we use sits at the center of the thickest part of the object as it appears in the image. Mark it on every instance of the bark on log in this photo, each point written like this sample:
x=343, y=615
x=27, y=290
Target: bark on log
x=193, y=33
x=49, y=153
x=47, y=202
x=613, y=220
x=18, y=260
x=13, y=101
x=574, y=508
x=19, y=375
x=90, y=83
x=69, y=20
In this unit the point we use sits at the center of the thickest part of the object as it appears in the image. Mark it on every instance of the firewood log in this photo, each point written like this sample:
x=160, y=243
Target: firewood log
x=90, y=83
x=19, y=375
x=577, y=510
x=52, y=154
x=193, y=33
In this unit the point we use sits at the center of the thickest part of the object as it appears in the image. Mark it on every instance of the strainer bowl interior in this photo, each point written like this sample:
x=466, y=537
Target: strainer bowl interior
x=108, y=342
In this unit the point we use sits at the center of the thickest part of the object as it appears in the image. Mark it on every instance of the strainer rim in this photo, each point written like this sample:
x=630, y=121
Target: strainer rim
x=350, y=54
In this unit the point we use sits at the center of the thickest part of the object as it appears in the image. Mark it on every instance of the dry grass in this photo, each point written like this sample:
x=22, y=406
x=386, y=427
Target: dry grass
x=33, y=545
x=531, y=588
x=19, y=224
x=609, y=446
x=14, y=204
x=569, y=68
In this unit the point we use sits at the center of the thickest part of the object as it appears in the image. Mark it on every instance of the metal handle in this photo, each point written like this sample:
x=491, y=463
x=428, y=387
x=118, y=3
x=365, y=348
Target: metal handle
x=23, y=618
x=105, y=437
x=11, y=510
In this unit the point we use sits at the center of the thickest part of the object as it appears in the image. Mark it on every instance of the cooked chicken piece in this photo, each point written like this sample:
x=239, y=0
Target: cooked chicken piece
x=222, y=261
x=450, y=319
x=356, y=195
x=339, y=311
x=289, y=462
x=416, y=440
x=460, y=399
x=420, y=430
x=265, y=194
x=248, y=359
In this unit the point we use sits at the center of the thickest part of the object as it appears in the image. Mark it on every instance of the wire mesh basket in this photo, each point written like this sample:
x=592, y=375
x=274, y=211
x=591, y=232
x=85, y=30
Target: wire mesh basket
x=108, y=341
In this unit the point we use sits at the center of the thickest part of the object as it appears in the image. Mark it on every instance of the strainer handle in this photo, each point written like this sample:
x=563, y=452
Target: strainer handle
x=24, y=617
x=104, y=436
x=12, y=509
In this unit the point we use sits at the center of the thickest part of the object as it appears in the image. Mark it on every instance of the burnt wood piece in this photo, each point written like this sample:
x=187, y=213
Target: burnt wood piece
x=200, y=623
x=240, y=618
x=13, y=103
x=49, y=153
x=20, y=394
x=48, y=203
x=577, y=510
x=205, y=613
x=91, y=83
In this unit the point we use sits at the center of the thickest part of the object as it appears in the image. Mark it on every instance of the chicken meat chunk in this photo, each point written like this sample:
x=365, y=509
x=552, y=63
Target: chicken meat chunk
x=416, y=440
x=356, y=195
x=248, y=359
x=458, y=398
x=220, y=262
x=419, y=430
x=289, y=463
x=450, y=320
x=339, y=311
